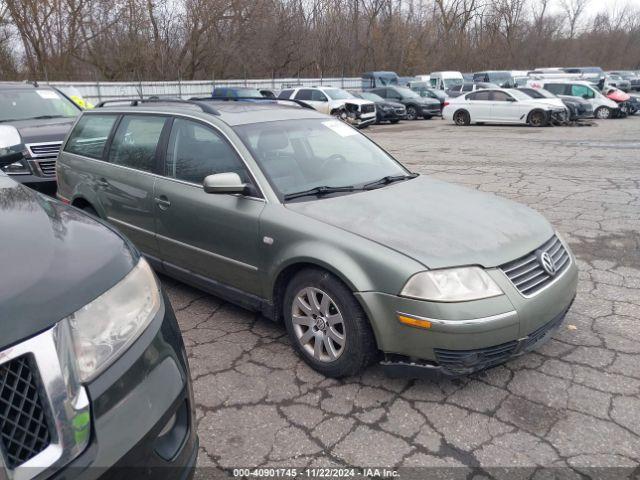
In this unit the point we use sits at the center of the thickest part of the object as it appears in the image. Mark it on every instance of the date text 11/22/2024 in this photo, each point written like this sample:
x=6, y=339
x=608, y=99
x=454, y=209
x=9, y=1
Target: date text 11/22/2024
x=348, y=473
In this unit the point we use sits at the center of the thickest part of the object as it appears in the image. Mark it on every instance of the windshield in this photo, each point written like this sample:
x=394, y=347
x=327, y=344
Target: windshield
x=499, y=76
x=406, y=92
x=545, y=93
x=372, y=97
x=452, y=82
x=518, y=95
x=338, y=94
x=297, y=155
x=29, y=104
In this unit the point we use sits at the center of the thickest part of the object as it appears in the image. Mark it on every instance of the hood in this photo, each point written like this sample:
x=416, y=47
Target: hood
x=59, y=260
x=389, y=104
x=619, y=96
x=355, y=101
x=436, y=223
x=36, y=131
x=424, y=101
x=549, y=102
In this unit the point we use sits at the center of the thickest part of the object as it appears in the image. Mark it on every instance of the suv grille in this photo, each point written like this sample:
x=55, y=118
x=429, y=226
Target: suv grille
x=368, y=108
x=527, y=273
x=24, y=431
x=45, y=149
x=48, y=168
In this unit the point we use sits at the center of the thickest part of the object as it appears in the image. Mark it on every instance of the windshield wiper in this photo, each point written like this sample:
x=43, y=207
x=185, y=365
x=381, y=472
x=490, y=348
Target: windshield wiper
x=46, y=117
x=317, y=191
x=387, y=180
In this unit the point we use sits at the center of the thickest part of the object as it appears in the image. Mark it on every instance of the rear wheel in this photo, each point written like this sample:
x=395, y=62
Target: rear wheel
x=91, y=211
x=462, y=118
x=602, y=113
x=326, y=324
x=412, y=113
x=538, y=118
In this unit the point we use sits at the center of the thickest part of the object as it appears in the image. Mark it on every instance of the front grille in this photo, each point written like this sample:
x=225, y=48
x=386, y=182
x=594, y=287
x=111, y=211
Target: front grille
x=466, y=361
x=24, y=431
x=401, y=111
x=48, y=168
x=527, y=273
x=39, y=150
x=368, y=108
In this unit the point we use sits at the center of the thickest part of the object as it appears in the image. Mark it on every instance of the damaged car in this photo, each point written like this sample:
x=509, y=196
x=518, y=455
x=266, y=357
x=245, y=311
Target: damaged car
x=503, y=106
x=578, y=108
x=335, y=101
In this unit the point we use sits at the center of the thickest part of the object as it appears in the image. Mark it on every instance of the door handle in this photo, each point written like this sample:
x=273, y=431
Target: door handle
x=102, y=182
x=163, y=202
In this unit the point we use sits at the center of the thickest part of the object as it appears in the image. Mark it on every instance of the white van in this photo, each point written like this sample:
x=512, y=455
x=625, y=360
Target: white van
x=603, y=107
x=445, y=80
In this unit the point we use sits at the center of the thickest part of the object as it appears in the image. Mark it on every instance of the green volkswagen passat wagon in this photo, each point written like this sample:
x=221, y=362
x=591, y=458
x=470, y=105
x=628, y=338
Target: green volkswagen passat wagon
x=292, y=213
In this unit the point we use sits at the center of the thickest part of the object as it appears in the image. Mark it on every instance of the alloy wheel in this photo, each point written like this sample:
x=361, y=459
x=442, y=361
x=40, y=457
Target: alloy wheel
x=412, y=113
x=603, y=113
x=318, y=324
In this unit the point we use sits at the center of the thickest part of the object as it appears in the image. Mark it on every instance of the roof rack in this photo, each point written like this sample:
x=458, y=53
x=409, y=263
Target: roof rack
x=300, y=103
x=134, y=102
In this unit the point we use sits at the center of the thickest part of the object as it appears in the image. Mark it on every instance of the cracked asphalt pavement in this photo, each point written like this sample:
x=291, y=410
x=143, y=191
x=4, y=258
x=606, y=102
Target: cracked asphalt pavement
x=570, y=406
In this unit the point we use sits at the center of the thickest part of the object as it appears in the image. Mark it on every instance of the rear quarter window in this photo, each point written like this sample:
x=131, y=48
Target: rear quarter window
x=89, y=137
x=136, y=141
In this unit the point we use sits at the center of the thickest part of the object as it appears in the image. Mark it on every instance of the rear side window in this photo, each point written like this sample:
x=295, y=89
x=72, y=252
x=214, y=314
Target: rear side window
x=135, y=142
x=304, y=94
x=482, y=95
x=196, y=151
x=556, y=88
x=90, y=135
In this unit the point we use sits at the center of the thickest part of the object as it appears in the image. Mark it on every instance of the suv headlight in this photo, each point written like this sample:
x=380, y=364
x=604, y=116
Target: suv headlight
x=451, y=285
x=106, y=327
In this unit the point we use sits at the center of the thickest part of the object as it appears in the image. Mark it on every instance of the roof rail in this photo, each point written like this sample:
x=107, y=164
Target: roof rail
x=134, y=102
x=300, y=103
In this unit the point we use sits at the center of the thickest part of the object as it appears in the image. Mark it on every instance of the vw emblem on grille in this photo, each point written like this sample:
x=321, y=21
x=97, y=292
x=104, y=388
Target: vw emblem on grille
x=547, y=263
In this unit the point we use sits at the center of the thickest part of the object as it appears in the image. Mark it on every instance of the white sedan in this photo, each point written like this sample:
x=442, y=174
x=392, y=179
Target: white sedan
x=502, y=105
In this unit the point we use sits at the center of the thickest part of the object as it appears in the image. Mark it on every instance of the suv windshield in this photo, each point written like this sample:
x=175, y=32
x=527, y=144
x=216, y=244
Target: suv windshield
x=25, y=104
x=297, y=155
x=372, y=97
x=452, y=82
x=406, y=92
x=337, y=94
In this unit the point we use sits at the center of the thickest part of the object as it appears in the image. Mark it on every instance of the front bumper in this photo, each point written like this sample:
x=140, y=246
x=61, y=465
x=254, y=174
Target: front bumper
x=431, y=111
x=46, y=185
x=132, y=402
x=467, y=328
x=392, y=114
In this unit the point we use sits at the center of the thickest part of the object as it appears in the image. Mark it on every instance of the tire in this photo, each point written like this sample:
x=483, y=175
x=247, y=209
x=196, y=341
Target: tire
x=91, y=211
x=412, y=113
x=427, y=117
x=462, y=118
x=602, y=113
x=394, y=121
x=332, y=299
x=538, y=118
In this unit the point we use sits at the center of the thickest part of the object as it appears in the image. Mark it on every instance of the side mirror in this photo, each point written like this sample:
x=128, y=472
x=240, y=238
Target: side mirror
x=511, y=99
x=585, y=96
x=229, y=182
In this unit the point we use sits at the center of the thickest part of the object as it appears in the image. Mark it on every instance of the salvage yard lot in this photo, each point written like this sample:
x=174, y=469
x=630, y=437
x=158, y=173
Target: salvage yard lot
x=575, y=402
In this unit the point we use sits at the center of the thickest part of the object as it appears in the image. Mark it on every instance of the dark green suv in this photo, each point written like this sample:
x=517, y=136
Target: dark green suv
x=293, y=213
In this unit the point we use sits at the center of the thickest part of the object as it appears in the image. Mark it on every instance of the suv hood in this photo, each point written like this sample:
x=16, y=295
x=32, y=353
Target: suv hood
x=36, y=131
x=436, y=223
x=56, y=259
x=354, y=101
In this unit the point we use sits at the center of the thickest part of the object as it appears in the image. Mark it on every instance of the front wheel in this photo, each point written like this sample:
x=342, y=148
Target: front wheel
x=412, y=113
x=603, y=113
x=326, y=324
x=538, y=119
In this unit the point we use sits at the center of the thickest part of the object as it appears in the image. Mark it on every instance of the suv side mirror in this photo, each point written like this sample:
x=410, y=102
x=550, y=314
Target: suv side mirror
x=228, y=182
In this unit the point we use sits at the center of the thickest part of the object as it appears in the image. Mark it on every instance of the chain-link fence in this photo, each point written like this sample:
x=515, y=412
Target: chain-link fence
x=95, y=92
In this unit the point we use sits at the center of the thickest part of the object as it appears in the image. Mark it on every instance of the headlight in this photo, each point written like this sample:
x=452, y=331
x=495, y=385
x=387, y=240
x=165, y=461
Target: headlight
x=104, y=328
x=15, y=168
x=451, y=285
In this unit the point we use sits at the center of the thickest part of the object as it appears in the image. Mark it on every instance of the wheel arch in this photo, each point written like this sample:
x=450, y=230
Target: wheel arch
x=537, y=110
